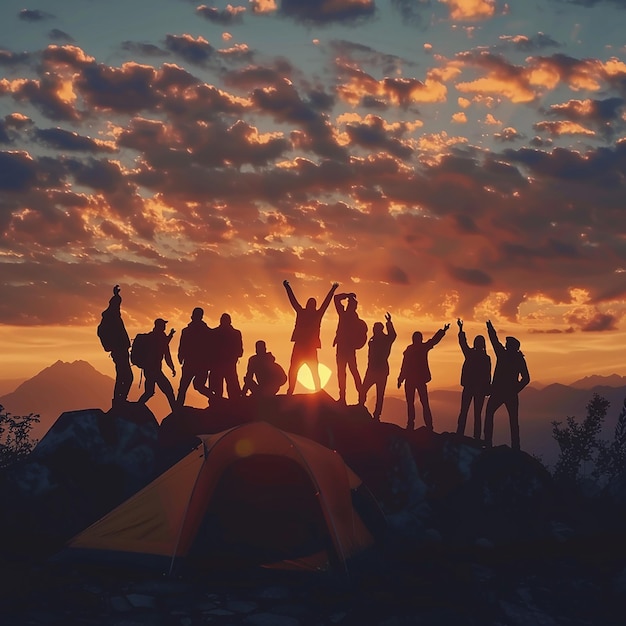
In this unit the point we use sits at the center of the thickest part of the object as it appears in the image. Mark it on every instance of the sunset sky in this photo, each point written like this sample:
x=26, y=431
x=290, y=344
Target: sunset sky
x=440, y=158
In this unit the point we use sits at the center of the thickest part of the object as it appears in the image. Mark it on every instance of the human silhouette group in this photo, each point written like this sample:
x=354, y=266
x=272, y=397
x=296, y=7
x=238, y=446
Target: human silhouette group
x=209, y=357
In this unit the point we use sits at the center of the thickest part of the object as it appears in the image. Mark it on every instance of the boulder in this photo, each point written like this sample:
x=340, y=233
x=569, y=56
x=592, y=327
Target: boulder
x=87, y=463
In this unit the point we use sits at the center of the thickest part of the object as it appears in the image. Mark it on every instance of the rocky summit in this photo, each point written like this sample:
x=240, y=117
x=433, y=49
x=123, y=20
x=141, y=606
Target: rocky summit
x=471, y=535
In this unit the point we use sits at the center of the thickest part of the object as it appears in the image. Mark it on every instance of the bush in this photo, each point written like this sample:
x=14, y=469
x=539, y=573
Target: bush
x=580, y=443
x=15, y=441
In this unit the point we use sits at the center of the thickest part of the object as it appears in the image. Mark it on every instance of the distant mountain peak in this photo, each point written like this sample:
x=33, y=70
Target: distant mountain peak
x=596, y=380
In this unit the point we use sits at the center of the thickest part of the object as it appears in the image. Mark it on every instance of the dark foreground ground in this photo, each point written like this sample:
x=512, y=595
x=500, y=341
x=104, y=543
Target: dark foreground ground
x=576, y=585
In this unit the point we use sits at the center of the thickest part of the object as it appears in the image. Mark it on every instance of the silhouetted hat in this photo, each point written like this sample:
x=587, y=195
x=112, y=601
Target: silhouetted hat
x=159, y=321
x=513, y=342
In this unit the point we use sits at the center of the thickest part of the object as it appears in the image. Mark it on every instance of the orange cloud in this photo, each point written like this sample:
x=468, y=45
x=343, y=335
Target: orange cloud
x=565, y=127
x=470, y=9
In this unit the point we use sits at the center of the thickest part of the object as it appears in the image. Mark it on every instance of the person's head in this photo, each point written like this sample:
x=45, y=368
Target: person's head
x=417, y=337
x=160, y=324
x=352, y=303
x=377, y=329
x=512, y=344
x=197, y=313
x=260, y=347
x=225, y=320
x=311, y=304
x=479, y=343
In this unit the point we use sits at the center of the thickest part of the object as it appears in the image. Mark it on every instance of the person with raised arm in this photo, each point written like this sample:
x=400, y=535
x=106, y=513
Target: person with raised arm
x=415, y=374
x=510, y=376
x=351, y=335
x=475, y=380
x=115, y=340
x=378, y=350
x=306, y=335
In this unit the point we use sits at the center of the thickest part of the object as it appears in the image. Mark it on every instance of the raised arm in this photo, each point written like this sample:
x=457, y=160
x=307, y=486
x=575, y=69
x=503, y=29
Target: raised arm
x=168, y=355
x=292, y=298
x=462, y=338
x=328, y=298
x=493, y=337
x=437, y=337
x=391, y=331
x=338, y=297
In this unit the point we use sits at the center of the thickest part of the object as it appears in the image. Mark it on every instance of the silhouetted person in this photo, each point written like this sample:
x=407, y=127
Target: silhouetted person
x=115, y=340
x=415, y=374
x=378, y=350
x=227, y=349
x=264, y=377
x=306, y=335
x=509, y=378
x=350, y=336
x=475, y=380
x=157, y=350
x=194, y=352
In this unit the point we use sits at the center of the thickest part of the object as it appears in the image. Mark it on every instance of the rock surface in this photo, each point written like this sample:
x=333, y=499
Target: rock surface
x=475, y=536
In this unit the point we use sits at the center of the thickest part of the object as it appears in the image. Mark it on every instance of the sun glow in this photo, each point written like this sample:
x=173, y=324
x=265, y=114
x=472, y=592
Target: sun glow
x=305, y=378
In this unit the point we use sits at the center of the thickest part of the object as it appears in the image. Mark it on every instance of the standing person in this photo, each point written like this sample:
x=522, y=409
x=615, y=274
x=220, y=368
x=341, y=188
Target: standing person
x=306, y=335
x=350, y=336
x=509, y=378
x=264, y=377
x=115, y=340
x=415, y=374
x=378, y=350
x=194, y=352
x=227, y=349
x=154, y=347
x=475, y=380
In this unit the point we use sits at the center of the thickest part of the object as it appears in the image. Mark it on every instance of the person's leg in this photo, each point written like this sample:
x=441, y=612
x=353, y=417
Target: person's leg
x=294, y=366
x=166, y=387
x=311, y=361
x=479, y=401
x=233, y=387
x=216, y=382
x=200, y=382
x=123, y=376
x=185, y=379
x=512, y=406
x=381, y=384
x=148, y=388
x=354, y=370
x=409, y=394
x=466, y=398
x=422, y=390
x=493, y=404
x=342, y=361
x=368, y=381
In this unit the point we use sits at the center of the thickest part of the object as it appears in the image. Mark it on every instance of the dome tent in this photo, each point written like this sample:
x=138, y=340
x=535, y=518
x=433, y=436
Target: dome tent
x=253, y=494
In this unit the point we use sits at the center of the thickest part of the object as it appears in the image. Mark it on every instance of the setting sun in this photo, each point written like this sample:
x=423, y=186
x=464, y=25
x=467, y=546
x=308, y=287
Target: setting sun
x=305, y=378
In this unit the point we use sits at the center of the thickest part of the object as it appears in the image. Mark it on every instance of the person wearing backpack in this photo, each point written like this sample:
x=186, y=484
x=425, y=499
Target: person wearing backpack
x=115, y=340
x=264, y=376
x=351, y=335
x=194, y=353
x=378, y=350
x=155, y=348
x=415, y=374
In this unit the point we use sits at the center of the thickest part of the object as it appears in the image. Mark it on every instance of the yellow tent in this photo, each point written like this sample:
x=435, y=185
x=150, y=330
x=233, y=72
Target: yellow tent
x=252, y=494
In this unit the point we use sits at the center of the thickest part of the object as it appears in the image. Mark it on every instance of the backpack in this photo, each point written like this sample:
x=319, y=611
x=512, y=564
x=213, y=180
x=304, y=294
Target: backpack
x=359, y=334
x=108, y=332
x=278, y=375
x=143, y=352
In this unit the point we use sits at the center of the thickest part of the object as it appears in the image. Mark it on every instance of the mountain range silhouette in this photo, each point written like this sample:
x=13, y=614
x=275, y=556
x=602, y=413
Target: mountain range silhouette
x=65, y=386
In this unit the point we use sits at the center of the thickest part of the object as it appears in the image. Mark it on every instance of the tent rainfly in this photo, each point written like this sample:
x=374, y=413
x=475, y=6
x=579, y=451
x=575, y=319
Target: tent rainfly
x=251, y=495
